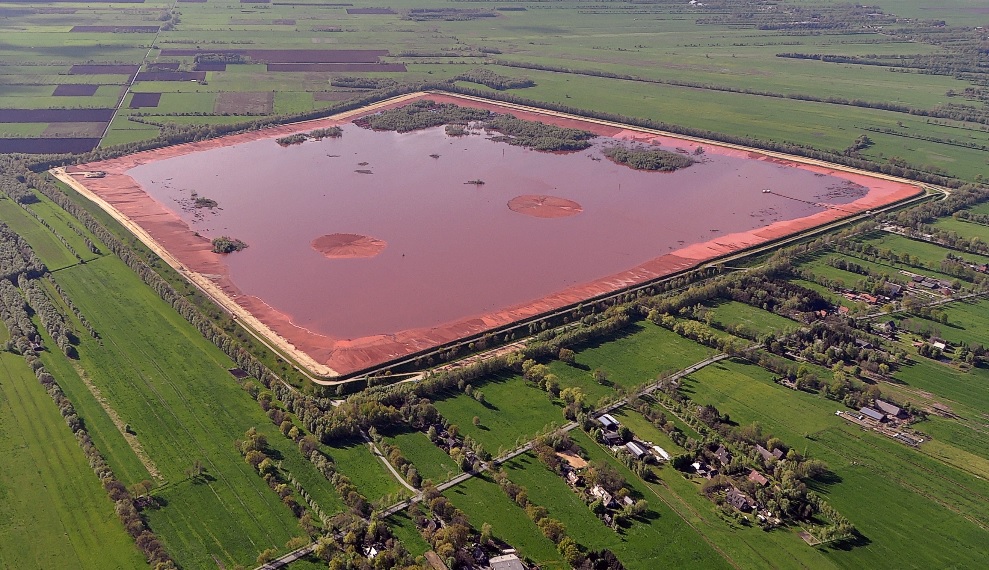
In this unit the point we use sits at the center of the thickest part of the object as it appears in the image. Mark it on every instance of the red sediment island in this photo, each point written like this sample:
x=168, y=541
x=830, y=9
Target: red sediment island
x=544, y=206
x=348, y=246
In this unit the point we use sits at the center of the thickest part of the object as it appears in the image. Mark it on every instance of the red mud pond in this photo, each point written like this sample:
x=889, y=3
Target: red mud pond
x=375, y=245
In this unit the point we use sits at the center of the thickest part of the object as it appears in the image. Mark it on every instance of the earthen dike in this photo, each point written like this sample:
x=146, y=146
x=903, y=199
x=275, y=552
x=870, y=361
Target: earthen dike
x=331, y=359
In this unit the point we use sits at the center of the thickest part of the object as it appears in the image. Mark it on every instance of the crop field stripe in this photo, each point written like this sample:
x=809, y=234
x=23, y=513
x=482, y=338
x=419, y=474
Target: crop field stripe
x=55, y=513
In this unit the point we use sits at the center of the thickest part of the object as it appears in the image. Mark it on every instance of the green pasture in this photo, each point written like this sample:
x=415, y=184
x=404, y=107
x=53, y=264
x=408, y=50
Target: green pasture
x=638, y=355
x=366, y=472
x=751, y=318
x=163, y=379
x=53, y=511
x=968, y=388
x=171, y=386
x=484, y=502
x=963, y=228
x=512, y=413
x=928, y=253
x=404, y=529
x=430, y=461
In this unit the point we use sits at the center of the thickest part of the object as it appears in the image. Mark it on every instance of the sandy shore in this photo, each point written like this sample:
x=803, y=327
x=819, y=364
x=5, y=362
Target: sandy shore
x=171, y=238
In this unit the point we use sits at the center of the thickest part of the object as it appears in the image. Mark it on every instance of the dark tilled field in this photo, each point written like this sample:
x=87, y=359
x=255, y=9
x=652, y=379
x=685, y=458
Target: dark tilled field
x=55, y=115
x=142, y=100
x=48, y=146
x=330, y=67
x=290, y=55
x=115, y=29
x=103, y=69
x=75, y=90
x=171, y=76
x=370, y=11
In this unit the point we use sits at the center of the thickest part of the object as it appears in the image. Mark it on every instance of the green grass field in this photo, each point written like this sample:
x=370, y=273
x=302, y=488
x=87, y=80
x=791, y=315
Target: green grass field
x=636, y=357
x=367, y=472
x=431, y=461
x=405, y=530
x=45, y=244
x=171, y=386
x=53, y=511
x=512, y=413
x=157, y=374
x=963, y=228
x=751, y=318
x=484, y=502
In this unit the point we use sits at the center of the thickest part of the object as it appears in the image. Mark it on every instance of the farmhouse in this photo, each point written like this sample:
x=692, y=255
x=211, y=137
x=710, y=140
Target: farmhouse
x=889, y=409
x=873, y=414
x=506, y=562
x=758, y=478
x=611, y=438
x=767, y=455
x=608, y=422
x=606, y=499
x=723, y=455
x=738, y=500
x=635, y=450
x=574, y=478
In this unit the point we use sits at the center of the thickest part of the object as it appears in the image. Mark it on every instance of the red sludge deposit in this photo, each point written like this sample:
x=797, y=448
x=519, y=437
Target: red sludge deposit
x=479, y=233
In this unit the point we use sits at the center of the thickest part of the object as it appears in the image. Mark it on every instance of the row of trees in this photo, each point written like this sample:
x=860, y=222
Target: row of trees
x=17, y=257
x=51, y=317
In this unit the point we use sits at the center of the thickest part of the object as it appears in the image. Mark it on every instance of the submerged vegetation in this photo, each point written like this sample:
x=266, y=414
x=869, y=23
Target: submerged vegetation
x=226, y=244
x=422, y=115
x=317, y=134
x=538, y=136
x=648, y=159
x=514, y=131
x=494, y=80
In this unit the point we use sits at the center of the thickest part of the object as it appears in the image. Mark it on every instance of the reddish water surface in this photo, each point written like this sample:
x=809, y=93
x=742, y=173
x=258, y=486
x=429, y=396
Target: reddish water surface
x=458, y=260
